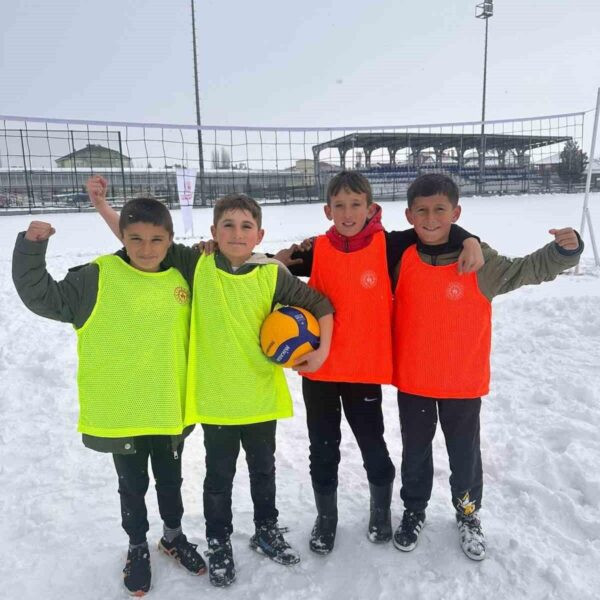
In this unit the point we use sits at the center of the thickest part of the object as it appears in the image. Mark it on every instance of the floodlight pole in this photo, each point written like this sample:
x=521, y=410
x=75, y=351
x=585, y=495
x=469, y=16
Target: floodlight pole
x=486, y=10
x=198, y=121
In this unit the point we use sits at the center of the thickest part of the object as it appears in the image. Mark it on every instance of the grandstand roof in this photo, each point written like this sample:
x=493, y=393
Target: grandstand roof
x=441, y=141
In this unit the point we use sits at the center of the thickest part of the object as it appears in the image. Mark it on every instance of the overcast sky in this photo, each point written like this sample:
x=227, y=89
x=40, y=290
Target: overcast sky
x=308, y=63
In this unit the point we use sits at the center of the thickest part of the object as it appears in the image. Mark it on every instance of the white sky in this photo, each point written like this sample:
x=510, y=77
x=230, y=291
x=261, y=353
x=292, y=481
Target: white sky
x=309, y=63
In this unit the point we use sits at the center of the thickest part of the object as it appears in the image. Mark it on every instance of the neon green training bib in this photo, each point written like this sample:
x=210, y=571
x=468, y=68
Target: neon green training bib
x=230, y=381
x=133, y=353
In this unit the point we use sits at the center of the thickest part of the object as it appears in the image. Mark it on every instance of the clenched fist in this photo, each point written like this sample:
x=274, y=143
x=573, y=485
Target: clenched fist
x=96, y=188
x=38, y=231
x=566, y=238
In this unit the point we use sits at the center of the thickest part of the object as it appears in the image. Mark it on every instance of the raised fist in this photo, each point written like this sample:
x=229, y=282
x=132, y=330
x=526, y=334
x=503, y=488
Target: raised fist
x=39, y=231
x=96, y=188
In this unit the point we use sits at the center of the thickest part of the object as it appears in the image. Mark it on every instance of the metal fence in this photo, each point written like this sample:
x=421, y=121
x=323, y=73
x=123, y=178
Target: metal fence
x=44, y=163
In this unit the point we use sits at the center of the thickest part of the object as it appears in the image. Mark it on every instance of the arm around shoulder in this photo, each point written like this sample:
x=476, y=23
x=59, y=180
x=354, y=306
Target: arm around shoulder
x=291, y=291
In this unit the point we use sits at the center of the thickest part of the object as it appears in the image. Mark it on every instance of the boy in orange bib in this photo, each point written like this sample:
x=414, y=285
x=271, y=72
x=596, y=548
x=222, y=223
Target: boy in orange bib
x=442, y=335
x=351, y=264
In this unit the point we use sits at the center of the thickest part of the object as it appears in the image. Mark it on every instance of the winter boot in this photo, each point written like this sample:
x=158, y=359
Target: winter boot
x=221, y=568
x=137, y=573
x=322, y=536
x=472, y=540
x=184, y=553
x=380, y=520
x=268, y=539
x=407, y=533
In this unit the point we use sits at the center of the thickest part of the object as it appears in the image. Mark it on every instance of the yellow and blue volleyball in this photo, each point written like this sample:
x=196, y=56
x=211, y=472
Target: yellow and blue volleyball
x=288, y=333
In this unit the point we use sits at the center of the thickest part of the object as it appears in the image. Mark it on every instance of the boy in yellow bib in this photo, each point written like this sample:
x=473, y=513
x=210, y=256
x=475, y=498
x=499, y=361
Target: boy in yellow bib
x=126, y=310
x=233, y=390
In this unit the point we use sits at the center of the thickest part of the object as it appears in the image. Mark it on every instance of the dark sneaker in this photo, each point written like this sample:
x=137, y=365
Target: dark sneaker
x=407, y=533
x=221, y=568
x=137, y=574
x=322, y=536
x=184, y=553
x=472, y=540
x=269, y=540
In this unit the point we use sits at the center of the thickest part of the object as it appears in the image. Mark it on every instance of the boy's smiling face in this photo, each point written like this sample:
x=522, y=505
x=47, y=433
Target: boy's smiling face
x=349, y=211
x=146, y=245
x=236, y=234
x=432, y=217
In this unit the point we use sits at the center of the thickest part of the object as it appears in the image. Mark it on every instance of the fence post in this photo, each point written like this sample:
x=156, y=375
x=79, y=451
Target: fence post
x=30, y=201
x=122, y=167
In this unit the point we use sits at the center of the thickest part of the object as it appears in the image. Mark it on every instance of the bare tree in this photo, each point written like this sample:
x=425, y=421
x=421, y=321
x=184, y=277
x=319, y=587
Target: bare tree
x=225, y=159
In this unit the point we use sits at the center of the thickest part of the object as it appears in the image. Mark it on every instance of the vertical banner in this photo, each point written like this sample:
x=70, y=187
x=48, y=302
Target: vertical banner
x=186, y=184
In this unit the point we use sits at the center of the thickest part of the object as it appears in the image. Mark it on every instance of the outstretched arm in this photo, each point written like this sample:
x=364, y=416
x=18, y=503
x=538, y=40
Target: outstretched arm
x=96, y=188
x=502, y=274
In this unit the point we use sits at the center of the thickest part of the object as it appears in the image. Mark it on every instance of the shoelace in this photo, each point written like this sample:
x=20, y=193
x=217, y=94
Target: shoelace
x=411, y=521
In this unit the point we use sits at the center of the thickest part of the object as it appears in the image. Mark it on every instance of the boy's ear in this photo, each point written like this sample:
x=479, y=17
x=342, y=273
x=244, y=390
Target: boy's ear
x=456, y=213
x=408, y=215
x=327, y=210
x=261, y=234
x=372, y=210
x=213, y=231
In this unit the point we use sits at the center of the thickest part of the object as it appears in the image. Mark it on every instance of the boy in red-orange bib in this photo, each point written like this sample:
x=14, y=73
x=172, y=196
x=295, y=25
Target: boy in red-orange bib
x=442, y=337
x=352, y=264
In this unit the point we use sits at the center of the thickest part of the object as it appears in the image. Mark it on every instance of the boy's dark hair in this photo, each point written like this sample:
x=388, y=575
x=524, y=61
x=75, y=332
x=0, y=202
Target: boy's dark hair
x=145, y=209
x=351, y=180
x=237, y=202
x=430, y=185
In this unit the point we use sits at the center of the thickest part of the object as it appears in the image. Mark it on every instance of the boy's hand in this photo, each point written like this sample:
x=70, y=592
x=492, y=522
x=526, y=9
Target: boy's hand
x=206, y=247
x=285, y=256
x=566, y=238
x=96, y=188
x=38, y=231
x=311, y=361
x=305, y=245
x=471, y=258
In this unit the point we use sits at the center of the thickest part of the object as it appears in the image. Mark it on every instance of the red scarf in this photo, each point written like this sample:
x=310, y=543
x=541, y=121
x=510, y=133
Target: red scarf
x=359, y=240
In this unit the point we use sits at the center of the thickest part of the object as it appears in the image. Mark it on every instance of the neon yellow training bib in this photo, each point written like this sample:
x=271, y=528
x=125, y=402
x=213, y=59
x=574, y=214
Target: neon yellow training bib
x=230, y=381
x=133, y=353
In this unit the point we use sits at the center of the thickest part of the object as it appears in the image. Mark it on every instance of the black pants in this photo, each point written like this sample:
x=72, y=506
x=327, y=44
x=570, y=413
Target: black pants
x=132, y=470
x=460, y=423
x=222, y=445
x=362, y=406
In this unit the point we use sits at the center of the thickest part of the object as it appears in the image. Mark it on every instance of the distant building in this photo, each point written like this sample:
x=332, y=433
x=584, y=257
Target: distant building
x=94, y=156
x=308, y=166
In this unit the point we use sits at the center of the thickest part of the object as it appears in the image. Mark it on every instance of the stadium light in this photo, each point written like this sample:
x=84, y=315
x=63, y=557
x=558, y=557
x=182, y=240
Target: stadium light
x=483, y=11
x=198, y=121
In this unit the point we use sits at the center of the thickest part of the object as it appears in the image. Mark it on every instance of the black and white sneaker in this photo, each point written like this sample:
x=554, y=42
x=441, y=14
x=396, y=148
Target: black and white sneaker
x=184, y=553
x=472, y=540
x=137, y=573
x=407, y=533
x=221, y=568
x=269, y=540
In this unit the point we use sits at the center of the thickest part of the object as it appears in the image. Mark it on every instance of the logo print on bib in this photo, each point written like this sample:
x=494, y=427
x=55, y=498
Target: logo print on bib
x=368, y=279
x=455, y=291
x=181, y=295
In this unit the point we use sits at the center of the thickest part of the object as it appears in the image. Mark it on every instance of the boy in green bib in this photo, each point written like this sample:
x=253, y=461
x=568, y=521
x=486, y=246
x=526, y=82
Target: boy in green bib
x=233, y=390
x=126, y=309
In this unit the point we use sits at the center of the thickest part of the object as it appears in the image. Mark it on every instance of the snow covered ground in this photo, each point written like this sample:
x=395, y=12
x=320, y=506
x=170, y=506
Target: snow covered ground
x=60, y=526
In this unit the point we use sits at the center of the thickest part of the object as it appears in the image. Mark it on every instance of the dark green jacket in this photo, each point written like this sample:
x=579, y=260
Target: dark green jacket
x=70, y=301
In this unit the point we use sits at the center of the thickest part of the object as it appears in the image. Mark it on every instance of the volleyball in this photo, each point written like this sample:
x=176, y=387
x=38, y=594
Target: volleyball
x=288, y=333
